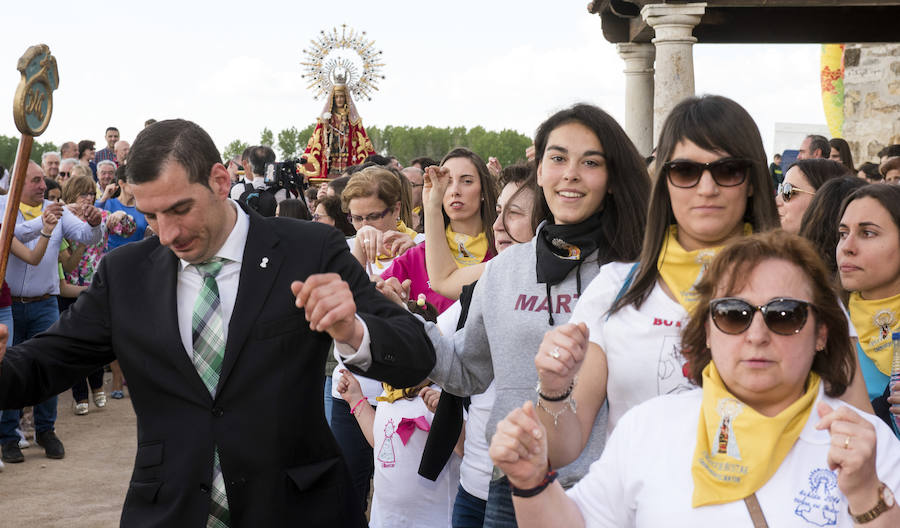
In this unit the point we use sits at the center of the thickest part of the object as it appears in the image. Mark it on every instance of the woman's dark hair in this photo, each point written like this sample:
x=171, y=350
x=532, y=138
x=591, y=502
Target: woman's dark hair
x=728, y=274
x=818, y=171
x=293, y=208
x=50, y=184
x=843, y=149
x=871, y=171
x=339, y=184
x=887, y=195
x=332, y=205
x=488, y=208
x=628, y=184
x=83, y=146
x=405, y=196
x=713, y=123
x=820, y=221
x=516, y=173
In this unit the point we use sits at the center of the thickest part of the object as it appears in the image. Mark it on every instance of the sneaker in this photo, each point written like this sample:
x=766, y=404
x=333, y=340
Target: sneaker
x=117, y=395
x=100, y=399
x=53, y=448
x=11, y=453
x=80, y=409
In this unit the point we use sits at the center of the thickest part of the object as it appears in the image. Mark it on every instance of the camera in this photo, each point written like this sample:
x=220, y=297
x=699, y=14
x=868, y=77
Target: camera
x=285, y=174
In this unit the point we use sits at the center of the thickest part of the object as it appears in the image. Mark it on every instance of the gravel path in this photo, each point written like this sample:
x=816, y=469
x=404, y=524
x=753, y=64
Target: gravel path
x=87, y=487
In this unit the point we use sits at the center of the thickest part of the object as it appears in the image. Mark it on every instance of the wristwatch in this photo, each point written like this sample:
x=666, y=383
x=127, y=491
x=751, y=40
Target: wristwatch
x=885, y=502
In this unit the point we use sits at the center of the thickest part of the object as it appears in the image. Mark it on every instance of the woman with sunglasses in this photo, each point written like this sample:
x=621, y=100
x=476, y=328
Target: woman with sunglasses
x=801, y=181
x=712, y=187
x=766, y=439
x=593, y=190
x=468, y=204
x=868, y=259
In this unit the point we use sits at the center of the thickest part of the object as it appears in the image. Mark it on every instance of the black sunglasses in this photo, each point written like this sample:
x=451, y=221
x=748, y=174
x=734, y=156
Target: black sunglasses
x=787, y=190
x=726, y=172
x=784, y=316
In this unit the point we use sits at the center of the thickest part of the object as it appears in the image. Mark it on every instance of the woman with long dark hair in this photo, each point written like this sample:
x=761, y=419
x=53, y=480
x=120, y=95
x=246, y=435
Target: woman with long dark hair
x=594, y=188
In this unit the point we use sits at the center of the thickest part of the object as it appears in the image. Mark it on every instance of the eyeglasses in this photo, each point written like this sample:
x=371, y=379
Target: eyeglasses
x=417, y=184
x=374, y=217
x=64, y=173
x=787, y=190
x=726, y=172
x=316, y=217
x=784, y=316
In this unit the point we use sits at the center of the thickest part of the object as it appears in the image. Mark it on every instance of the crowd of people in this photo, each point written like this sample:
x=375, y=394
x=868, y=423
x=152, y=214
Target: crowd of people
x=598, y=359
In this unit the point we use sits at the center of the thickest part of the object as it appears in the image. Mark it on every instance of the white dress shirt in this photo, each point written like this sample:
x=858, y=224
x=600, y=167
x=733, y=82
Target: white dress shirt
x=26, y=280
x=190, y=281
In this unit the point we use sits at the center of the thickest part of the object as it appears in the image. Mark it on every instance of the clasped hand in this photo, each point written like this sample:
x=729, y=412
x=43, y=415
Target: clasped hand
x=329, y=306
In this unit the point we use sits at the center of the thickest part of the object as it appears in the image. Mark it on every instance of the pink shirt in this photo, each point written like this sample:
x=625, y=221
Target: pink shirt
x=411, y=265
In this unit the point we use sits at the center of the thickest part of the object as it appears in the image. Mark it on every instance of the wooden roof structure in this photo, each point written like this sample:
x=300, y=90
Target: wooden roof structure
x=763, y=21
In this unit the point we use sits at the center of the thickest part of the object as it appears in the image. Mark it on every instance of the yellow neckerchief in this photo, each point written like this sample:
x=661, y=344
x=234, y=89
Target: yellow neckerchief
x=393, y=394
x=874, y=321
x=738, y=450
x=403, y=228
x=467, y=250
x=417, y=210
x=30, y=212
x=681, y=269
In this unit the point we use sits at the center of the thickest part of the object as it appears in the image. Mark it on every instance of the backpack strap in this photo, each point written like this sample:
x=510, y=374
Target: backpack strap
x=626, y=284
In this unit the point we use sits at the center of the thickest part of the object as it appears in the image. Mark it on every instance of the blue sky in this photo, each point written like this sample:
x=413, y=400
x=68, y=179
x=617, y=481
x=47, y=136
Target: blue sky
x=235, y=69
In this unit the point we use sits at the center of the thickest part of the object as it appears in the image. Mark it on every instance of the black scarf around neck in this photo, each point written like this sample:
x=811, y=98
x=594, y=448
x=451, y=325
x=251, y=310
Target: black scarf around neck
x=560, y=248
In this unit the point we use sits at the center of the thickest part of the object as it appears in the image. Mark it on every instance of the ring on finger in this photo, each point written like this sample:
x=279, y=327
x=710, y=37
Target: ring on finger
x=847, y=442
x=555, y=353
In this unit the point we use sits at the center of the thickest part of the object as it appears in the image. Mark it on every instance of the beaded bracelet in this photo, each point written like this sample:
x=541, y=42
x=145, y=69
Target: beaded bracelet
x=531, y=492
x=353, y=410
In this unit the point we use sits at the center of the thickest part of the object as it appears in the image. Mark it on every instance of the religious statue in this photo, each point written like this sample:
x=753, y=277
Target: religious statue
x=339, y=139
x=340, y=64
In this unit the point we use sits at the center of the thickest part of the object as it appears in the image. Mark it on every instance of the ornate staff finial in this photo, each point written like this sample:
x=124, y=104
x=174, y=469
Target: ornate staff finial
x=33, y=103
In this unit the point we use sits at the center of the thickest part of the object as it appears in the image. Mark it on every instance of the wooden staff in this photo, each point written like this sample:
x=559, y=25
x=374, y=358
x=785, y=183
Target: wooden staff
x=32, y=108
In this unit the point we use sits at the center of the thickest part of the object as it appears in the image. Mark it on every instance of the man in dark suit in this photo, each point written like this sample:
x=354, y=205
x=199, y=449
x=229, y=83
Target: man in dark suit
x=221, y=326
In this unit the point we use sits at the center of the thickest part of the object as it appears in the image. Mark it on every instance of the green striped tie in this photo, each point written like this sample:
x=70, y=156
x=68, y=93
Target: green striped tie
x=208, y=333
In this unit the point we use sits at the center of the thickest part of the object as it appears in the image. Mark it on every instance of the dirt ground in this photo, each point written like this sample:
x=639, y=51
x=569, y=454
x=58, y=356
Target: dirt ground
x=87, y=487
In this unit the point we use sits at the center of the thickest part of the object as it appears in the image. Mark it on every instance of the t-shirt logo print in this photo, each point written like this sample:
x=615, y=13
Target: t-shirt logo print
x=386, y=454
x=818, y=505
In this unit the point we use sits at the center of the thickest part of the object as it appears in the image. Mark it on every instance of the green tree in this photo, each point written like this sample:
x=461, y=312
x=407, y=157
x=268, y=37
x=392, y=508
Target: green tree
x=287, y=142
x=303, y=138
x=266, y=137
x=234, y=149
x=9, y=145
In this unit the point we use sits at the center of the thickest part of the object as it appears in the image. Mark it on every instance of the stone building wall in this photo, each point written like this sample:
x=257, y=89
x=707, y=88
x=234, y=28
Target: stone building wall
x=871, y=98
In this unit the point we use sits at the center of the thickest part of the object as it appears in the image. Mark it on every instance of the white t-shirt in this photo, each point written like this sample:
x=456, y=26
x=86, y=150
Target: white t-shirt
x=402, y=498
x=477, y=467
x=643, y=347
x=644, y=478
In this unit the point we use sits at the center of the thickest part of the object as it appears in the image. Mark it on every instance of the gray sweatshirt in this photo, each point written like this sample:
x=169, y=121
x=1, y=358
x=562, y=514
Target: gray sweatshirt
x=507, y=320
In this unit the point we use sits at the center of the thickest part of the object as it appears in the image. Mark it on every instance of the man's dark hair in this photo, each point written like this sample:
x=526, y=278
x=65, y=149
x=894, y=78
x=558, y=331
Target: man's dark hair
x=871, y=171
x=111, y=128
x=820, y=143
x=259, y=158
x=149, y=122
x=246, y=154
x=178, y=140
x=83, y=145
x=889, y=151
x=378, y=159
x=423, y=162
x=121, y=175
x=353, y=169
x=338, y=184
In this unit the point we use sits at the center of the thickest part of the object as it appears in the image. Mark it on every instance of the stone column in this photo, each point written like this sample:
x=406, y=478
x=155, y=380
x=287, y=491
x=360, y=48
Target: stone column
x=639, y=93
x=674, y=80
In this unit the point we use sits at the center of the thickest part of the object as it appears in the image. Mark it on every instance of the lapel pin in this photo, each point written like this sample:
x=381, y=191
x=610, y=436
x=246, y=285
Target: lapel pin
x=264, y=262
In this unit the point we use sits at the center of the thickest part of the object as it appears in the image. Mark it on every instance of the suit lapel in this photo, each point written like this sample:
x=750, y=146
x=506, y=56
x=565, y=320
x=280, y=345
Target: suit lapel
x=162, y=284
x=261, y=262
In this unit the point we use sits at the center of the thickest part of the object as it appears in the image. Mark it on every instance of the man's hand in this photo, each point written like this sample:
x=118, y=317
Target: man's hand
x=394, y=290
x=92, y=215
x=329, y=306
x=109, y=191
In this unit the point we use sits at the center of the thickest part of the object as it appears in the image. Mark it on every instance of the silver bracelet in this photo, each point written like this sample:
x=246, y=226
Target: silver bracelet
x=568, y=404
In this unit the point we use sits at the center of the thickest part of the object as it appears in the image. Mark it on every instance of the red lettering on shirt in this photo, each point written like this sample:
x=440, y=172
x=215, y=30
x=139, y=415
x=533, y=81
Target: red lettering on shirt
x=526, y=302
x=562, y=303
